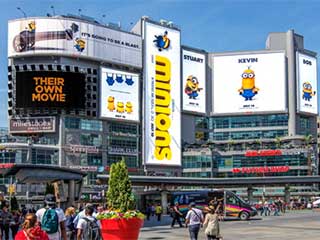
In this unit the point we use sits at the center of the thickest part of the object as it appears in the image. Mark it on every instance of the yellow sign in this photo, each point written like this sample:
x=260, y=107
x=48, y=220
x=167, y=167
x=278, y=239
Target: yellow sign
x=11, y=189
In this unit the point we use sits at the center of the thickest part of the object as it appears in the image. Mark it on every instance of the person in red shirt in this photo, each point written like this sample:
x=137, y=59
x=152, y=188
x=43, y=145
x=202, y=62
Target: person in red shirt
x=30, y=229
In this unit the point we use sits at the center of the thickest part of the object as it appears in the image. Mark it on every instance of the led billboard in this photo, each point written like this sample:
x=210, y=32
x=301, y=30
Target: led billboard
x=307, y=99
x=32, y=125
x=249, y=83
x=49, y=89
x=119, y=96
x=194, y=81
x=75, y=38
x=162, y=129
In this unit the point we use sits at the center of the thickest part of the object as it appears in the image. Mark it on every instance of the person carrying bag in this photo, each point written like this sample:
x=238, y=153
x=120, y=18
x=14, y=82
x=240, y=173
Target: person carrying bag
x=211, y=224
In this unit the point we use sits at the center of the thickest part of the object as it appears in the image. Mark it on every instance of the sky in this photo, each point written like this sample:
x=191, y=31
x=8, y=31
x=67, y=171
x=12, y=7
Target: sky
x=212, y=25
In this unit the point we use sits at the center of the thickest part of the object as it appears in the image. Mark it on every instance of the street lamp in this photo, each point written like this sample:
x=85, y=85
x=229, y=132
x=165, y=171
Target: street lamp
x=24, y=14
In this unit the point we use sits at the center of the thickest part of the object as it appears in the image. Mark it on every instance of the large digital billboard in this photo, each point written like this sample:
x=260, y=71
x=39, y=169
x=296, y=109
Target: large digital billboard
x=162, y=135
x=307, y=98
x=249, y=83
x=119, y=95
x=194, y=81
x=32, y=125
x=60, y=36
x=50, y=89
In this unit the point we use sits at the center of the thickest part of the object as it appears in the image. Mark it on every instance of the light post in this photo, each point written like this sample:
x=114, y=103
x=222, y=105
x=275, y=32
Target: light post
x=24, y=14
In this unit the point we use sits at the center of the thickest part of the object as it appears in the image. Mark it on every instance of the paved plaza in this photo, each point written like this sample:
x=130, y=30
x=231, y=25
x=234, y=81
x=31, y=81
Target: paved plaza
x=303, y=224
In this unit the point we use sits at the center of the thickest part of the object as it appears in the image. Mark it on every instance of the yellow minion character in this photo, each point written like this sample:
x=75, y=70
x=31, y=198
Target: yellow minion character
x=248, y=89
x=307, y=91
x=32, y=26
x=80, y=44
x=129, y=107
x=111, y=106
x=120, y=107
x=192, y=87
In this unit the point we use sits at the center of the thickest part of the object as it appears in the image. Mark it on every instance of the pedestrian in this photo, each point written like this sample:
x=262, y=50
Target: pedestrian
x=211, y=224
x=148, y=211
x=81, y=214
x=158, y=212
x=6, y=218
x=15, y=223
x=88, y=228
x=153, y=210
x=176, y=215
x=30, y=230
x=194, y=220
x=52, y=219
x=70, y=215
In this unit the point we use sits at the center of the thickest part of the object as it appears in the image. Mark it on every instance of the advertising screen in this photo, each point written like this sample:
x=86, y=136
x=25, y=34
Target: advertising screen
x=249, y=83
x=50, y=89
x=119, y=97
x=194, y=81
x=307, y=98
x=162, y=135
x=73, y=38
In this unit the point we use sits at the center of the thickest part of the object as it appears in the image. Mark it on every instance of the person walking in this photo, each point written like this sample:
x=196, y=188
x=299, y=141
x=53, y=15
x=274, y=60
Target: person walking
x=52, y=219
x=88, y=228
x=6, y=218
x=15, y=223
x=70, y=215
x=158, y=212
x=194, y=219
x=176, y=214
x=211, y=224
x=30, y=230
x=148, y=211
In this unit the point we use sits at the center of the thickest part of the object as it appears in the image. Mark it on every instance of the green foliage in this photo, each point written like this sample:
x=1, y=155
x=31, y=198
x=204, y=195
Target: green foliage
x=14, y=204
x=49, y=189
x=119, y=194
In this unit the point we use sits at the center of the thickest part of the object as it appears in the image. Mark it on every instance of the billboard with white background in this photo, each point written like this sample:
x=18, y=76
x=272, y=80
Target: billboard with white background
x=162, y=126
x=307, y=98
x=119, y=95
x=194, y=81
x=75, y=38
x=249, y=83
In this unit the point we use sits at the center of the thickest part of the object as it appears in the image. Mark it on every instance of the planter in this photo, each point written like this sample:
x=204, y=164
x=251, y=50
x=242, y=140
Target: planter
x=121, y=229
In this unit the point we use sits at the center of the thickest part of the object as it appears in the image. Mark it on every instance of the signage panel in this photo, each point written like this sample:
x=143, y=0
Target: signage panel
x=32, y=125
x=249, y=83
x=194, y=81
x=162, y=134
x=49, y=89
x=119, y=98
x=307, y=98
x=75, y=38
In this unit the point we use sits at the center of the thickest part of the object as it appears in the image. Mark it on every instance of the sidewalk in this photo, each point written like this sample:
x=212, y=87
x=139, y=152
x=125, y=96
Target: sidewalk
x=165, y=221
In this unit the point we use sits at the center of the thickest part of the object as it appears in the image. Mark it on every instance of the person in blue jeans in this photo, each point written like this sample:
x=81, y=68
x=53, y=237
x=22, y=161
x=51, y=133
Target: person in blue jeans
x=194, y=220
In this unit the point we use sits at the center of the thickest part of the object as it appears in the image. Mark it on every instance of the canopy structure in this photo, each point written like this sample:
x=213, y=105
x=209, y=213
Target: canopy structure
x=40, y=173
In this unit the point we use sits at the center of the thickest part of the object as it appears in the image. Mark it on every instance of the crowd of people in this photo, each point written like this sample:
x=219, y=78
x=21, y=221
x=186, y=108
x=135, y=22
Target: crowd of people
x=50, y=222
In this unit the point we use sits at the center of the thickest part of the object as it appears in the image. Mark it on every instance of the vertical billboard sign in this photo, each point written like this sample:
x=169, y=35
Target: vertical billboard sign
x=249, y=83
x=119, y=98
x=194, y=81
x=307, y=98
x=162, y=136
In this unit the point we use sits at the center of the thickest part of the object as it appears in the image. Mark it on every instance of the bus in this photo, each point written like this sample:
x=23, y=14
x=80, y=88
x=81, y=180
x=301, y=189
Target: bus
x=233, y=206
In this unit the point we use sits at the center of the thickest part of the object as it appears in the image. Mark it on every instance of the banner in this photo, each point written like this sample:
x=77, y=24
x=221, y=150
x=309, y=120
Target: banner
x=50, y=89
x=194, y=81
x=32, y=125
x=307, y=98
x=249, y=83
x=119, y=95
x=162, y=135
x=74, y=38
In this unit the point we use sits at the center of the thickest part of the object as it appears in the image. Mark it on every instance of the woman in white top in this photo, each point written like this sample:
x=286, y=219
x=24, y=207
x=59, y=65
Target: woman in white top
x=211, y=224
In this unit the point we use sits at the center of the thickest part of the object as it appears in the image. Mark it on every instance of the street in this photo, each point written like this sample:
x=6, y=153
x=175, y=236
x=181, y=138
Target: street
x=303, y=224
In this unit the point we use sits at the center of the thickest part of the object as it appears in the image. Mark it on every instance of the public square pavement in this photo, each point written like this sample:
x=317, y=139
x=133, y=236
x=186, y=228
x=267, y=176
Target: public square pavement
x=304, y=224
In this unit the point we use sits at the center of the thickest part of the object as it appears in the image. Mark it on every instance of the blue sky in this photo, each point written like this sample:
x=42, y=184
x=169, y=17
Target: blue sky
x=212, y=25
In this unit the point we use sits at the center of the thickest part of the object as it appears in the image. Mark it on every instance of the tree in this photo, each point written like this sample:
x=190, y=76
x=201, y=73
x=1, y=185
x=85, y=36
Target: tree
x=49, y=189
x=119, y=194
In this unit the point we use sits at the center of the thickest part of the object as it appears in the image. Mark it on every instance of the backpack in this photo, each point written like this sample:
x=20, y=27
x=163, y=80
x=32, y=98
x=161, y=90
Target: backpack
x=92, y=230
x=50, y=221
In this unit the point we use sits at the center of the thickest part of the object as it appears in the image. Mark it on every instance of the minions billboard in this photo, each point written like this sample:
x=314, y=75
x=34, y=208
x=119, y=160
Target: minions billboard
x=162, y=126
x=249, y=83
x=74, y=38
x=119, y=96
x=307, y=98
x=194, y=81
